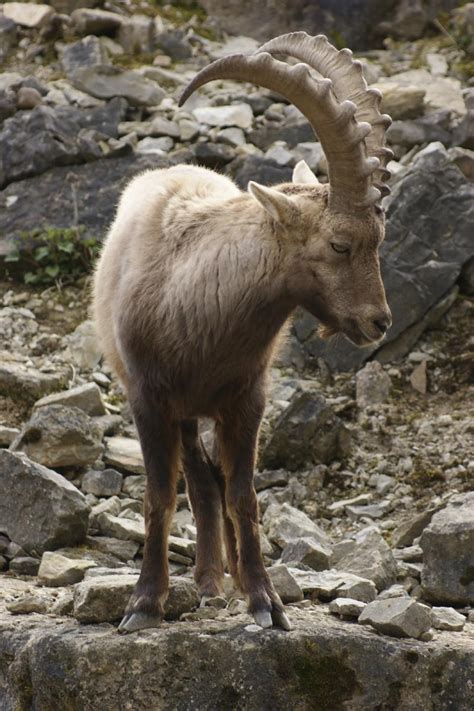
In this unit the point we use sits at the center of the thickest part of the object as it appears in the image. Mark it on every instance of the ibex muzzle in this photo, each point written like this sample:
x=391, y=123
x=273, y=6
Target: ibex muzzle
x=194, y=286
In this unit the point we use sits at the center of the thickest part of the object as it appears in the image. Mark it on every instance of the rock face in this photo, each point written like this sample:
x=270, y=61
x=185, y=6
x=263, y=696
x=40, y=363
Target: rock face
x=430, y=222
x=54, y=514
x=307, y=432
x=397, y=616
x=59, y=436
x=448, y=553
x=322, y=664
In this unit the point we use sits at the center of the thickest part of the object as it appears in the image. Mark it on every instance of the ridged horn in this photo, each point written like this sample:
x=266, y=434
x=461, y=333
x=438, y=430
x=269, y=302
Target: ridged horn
x=342, y=136
x=348, y=84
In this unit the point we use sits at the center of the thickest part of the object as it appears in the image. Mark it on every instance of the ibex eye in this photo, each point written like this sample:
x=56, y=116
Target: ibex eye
x=340, y=248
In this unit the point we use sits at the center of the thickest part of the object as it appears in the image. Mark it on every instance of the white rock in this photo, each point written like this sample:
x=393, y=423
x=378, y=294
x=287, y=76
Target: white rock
x=447, y=618
x=124, y=453
x=125, y=528
x=155, y=146
x=56, y=570
x=233, y=115
x=397, y=617
x=28, y=14
x=279, y=153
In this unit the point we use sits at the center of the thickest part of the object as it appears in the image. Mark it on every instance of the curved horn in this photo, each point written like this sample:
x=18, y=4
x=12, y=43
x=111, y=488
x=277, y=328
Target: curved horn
x=341, y=136
x=348, y=83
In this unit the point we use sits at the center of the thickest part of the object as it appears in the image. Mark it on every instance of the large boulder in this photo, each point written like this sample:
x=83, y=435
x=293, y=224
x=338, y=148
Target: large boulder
x=31, y=142
x=448, y=553
x=308, y=432
x=430, y=223
x=59, y=436
x=91, y=191
x=39, y=509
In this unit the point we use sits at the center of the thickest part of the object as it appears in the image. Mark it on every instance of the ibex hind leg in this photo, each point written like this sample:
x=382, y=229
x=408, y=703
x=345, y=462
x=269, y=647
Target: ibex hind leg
x=237, y=446
x=160, y=441
x=205, y=500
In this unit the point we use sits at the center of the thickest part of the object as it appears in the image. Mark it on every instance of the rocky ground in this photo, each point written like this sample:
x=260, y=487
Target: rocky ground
x=366, y=463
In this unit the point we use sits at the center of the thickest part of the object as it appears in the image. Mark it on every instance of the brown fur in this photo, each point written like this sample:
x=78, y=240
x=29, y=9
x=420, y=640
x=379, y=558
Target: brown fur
x=191, y=294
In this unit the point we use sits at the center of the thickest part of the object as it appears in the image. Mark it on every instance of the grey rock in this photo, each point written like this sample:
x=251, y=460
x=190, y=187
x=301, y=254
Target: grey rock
x=7, y=435
x=307, y=432
x=370, y=557
x=292, y=132
x=124, y=528
x=33, y=141
x=93, y=21
x=125, y=454
x=284, y=524
x=373, y=385
x=27, y=14
x=263, y=171
x=160, y=146
x=58, y=436
x=285, y=584
x=26, y=383
x=124, y=550
x=280, y=153
x=82, y=346
x=432, y=127
x=397, y=617
x=27, y=98
x=326, y=584
x=174, y=44
x=239, y=115
x=134, y=486
x=8, y=37
x=269, y=478
x=232, y=136
x=213, y=155
x=447, y=618
x=29, y=603
x=401, y=101
x=307, y=551
x=463, y=134
x=110, y=506
x=137, y=34
x=464, y=159
x=448, y=553
x=54, y=512
x=312, y=153
x=24, y=565
x=102, y=483
x=431, y=197
x=56, y=570
x=87, y=398
x=103, y=599
x=87, y=52
x=466, y=279
x=346, y=607
x=357, y=588
x=106, y=82
x=346, y=663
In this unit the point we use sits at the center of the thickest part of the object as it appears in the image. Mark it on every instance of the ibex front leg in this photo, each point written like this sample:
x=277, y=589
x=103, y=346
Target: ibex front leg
x=160, y=441
x=238, y=435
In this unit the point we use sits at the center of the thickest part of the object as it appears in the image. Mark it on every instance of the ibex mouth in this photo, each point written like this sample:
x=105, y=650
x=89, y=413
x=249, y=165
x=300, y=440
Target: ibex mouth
x=359, y=336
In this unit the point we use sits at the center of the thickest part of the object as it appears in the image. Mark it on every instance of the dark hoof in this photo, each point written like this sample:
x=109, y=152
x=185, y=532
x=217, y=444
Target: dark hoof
x=138, y=621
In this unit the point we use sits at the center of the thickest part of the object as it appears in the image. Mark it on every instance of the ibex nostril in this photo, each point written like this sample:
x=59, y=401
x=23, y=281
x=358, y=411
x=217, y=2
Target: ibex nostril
x=382, y=324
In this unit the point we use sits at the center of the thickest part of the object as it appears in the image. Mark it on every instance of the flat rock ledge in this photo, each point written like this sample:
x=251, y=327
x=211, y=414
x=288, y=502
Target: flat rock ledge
x=48, y=663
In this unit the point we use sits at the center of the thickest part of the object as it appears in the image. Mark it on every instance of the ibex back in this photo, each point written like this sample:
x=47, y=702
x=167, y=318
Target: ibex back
x=194, y=286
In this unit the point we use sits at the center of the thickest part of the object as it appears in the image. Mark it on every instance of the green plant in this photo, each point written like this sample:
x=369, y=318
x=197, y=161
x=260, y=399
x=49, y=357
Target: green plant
x=54, y=255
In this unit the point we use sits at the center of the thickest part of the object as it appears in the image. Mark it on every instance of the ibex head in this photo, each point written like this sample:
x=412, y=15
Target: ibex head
x=332, y=232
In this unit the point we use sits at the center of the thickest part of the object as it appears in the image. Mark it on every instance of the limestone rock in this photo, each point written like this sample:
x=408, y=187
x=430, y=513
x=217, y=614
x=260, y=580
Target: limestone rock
x=125, y=528
x=54, y=512
x=346, y=607
x=373, y=385
x=104, y=599
x=308, y=551
x=239, y=115
x=106, y=82
x=134, y=486
x=285, y=584
x=87, y=398
x=284, y=524
x=307, y=432
x=124, y=453
x=124, y=550
x=448, y=553
x=56, y=570
x=370, y=557
x=447, y=618
x=27, y=383
x=107, y=482
x=59, y=436
x=397, y=617
x=27, y=14
x=329, y=584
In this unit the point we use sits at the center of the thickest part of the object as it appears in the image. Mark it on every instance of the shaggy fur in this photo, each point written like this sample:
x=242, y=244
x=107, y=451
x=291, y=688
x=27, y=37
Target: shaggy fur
x=194, y=286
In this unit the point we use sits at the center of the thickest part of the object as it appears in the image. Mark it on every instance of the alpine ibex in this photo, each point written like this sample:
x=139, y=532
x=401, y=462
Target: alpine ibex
x=195, y=284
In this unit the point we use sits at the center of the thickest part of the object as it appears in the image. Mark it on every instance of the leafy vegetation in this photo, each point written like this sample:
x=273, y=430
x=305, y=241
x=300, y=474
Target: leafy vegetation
x=53, y=255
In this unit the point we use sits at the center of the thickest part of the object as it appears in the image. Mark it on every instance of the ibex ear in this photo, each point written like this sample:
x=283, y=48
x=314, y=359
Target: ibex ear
x=278, y=205
x=303, y=174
